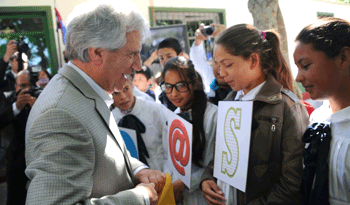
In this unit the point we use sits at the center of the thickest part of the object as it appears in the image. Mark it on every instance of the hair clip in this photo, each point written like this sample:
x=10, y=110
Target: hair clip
x=263, y=33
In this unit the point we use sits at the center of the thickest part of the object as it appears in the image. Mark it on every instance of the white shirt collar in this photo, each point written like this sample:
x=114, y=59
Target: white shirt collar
x=102, y=93
x=251, y=94
x=13, y=73
x=341, y=115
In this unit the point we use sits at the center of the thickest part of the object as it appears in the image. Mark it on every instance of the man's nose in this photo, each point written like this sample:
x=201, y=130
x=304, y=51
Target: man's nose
x=137, y=65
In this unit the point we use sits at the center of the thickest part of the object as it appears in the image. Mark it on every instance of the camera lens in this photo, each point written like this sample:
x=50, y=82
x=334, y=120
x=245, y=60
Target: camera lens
x=208, y=30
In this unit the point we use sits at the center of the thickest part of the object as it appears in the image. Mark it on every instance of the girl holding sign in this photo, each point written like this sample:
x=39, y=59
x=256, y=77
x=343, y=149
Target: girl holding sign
x=322, y=55
x=251, y=62
x=183, y=87
x=147, y=118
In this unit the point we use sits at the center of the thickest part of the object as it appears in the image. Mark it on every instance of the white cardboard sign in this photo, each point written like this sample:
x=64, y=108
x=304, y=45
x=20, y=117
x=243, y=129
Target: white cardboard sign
x=233, y=142
x=130, y=139
x=180, y=147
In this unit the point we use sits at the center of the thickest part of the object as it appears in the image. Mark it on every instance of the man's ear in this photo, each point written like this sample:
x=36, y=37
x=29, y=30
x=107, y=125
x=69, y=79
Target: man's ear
x=95, y=55
x=181, y=54
x=255, y=60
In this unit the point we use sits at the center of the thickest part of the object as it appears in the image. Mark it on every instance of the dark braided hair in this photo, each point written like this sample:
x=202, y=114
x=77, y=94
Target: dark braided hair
x=328, y=35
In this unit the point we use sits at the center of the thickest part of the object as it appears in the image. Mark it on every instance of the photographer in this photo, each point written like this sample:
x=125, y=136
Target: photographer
x=8, y=80
x=215, y=86
x=17, y=104
x=197, y=52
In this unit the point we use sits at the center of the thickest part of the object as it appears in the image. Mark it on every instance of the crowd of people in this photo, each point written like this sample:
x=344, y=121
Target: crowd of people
x=19, y=90
x=66, y=148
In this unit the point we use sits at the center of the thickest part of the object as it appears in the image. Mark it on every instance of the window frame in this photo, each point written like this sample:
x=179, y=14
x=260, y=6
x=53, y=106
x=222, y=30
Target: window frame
x=48, y=33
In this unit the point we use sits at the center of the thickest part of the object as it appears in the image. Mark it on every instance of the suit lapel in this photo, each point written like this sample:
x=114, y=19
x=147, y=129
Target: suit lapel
x=78, y=81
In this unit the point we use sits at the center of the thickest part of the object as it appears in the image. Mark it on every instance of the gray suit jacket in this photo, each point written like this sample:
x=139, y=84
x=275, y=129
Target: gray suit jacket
x=72, y=151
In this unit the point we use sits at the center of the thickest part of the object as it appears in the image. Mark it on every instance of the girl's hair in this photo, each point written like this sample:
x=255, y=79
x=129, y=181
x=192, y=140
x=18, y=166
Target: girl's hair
x=185, y=68
x=328, y=35
x=47, y=73
x=244, y=39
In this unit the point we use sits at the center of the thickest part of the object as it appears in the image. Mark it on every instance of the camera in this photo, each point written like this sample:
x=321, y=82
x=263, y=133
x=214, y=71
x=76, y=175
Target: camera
x=21, y=45
x=33, y=91
x=208, y=30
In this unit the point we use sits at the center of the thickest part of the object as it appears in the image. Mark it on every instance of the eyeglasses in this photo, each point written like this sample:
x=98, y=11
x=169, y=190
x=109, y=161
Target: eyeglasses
x=180, y=87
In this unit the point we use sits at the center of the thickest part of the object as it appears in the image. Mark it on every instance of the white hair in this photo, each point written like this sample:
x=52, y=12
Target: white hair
x=102, y=24
x=23, y=72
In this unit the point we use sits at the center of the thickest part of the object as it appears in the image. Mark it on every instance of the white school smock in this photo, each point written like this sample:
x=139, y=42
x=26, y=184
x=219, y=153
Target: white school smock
x=153, y=116
x=339, y=158
x=194, y=194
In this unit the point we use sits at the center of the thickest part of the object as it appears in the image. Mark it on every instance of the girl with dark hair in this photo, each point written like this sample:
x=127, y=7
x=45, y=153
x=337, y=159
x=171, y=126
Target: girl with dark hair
x=185, y=90
x=43, y=78
x=322, y=55
x=251, y=63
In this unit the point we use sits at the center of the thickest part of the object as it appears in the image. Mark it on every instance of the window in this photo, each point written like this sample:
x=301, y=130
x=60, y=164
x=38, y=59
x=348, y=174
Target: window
x=192, y=17
x=324, y=14
x=34, y=26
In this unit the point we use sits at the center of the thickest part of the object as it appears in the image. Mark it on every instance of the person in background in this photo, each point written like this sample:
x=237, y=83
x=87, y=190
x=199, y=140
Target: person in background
x=251, y=63
x=8, y=79
x=17, y=105
x=141, y=94
x=153, y=63
x=143, y=81
x=74, y=151
x=157, y=81
x=198, y=55
x=219, y=88
x=322, y=54
x=147, y=118
x=186, y=92
x=167, y=49
x=43, y=78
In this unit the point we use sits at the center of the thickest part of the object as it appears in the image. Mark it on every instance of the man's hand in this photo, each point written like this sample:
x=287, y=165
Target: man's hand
x=199, y=36
x=11, y=48
x=212, y=193
x=152, y=194
x=152, y=176
x=219, y=28
x=23, y=98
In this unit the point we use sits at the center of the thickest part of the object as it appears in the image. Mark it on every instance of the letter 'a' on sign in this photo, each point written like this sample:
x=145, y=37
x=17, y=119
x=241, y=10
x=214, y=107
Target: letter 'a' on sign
x=178, y=134
x=179, y=143
x=233, y=142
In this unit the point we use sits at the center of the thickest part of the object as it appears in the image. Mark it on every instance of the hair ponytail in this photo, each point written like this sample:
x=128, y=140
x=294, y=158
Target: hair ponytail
x=198, y=109
x=273, y=62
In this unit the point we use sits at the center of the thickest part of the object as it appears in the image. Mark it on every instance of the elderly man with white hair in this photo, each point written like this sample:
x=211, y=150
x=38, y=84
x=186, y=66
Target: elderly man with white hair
x=74, y=151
